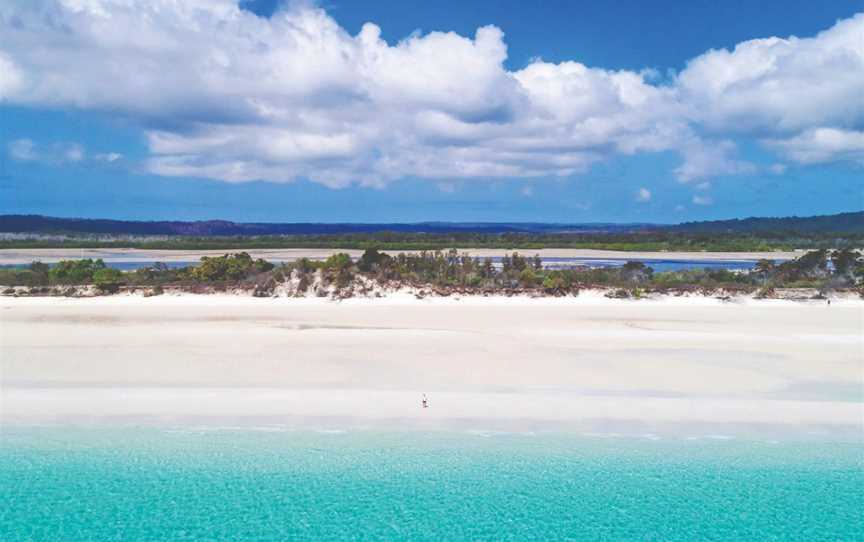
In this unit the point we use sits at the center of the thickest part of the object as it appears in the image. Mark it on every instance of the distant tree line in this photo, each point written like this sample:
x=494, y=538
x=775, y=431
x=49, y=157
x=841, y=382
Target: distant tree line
x=622, y=241
x=850, y=222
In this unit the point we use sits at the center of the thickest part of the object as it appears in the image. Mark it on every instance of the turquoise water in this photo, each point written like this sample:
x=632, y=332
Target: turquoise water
x=156, y=484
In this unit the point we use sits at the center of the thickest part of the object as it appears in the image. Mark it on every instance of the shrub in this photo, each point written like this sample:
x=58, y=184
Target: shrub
x=371, y=259
x=338, y=261
x=107, y=277
x=75, y=271
x=16, y=277
x=229, y=267
x=528, y=278
x=636, y=272
x=39, y=274
x=262, y=265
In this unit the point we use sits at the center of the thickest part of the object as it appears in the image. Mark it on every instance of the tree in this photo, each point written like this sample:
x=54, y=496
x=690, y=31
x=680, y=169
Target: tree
x=537, y=263
x=262, y=265
x=372, y=259
x=723, y=275
x=487, y=269
x=845, y=261
x=304, y=265
x=75, y=271
x=636, y=272
x=39, y=273
x=812, y=264
x=506, y=264
x=555, y=281
x=764, y=267
x=107, y=277
x=518, y=262
x=338, y=261
x=229, y=267
x=528, y=278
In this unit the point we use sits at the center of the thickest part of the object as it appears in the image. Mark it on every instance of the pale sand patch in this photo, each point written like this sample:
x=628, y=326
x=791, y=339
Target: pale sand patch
x=569, y=361
x=50, y=255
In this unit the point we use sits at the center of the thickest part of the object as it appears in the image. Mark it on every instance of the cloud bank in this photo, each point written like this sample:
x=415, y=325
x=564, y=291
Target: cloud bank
x=224, y=94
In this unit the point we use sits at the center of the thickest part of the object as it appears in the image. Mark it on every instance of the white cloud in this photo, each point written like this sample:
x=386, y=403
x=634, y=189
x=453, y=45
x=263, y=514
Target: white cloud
x=702, y=200
x=22, y=149
x=70, y=152
x=778, y=169
x=643, y=195
x=10, y=78
x=227, y=95
x=108, y=157
x=823, y=145
x=64, y=152
x=709, y=159
x=780, y=85
x=527, y=191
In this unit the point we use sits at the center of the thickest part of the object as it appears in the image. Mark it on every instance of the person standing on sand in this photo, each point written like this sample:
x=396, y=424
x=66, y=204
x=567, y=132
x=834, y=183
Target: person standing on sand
x=425, y=401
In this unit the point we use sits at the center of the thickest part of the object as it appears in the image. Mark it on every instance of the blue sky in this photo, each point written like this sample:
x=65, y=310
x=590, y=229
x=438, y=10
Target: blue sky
x=559, y=111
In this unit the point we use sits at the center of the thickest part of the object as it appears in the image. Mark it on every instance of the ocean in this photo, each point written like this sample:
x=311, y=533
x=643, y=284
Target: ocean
x=271, y=483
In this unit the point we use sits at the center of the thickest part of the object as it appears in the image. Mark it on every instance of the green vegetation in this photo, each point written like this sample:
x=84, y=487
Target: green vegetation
x=448, y=271
x=634, y=241
x=35, y=275
x=230, y=267
x=75, y=271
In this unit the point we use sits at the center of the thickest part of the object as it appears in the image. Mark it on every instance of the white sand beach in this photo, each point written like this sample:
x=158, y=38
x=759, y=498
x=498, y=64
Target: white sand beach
x=684, y=365
x=51, y=255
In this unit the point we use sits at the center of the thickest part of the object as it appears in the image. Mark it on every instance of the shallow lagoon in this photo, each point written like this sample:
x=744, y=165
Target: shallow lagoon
x=207, y=483
x=657, y=264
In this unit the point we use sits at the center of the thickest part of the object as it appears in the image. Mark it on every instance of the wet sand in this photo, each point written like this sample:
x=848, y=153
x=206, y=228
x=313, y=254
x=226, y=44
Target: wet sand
x=25, y=256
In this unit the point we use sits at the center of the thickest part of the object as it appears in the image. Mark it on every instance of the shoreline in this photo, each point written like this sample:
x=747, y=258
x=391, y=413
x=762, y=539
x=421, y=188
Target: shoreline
x=377, y=410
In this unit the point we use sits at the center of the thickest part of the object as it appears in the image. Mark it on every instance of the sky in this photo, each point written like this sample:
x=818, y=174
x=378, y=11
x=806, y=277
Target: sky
x=385, y=111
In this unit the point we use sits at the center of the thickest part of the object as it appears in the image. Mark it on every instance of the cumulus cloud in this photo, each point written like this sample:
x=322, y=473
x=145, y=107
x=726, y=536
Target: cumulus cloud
x=702, y=200
x=779, y=85
x=227, y=95
x=643, y=195
x=705, y=159
x=820, y=145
